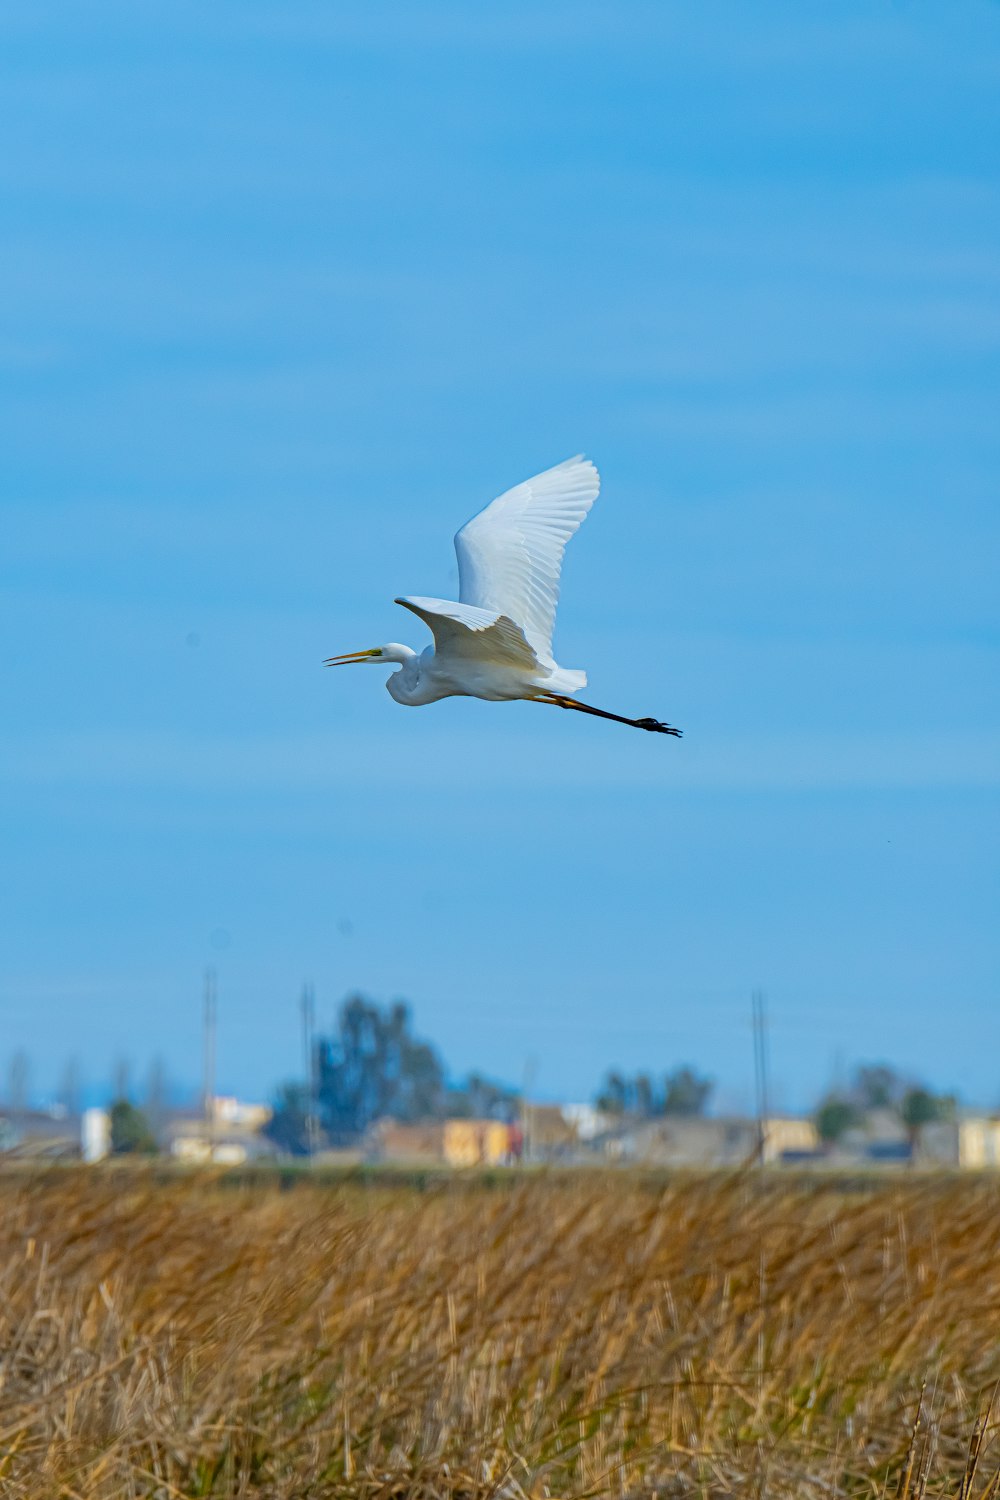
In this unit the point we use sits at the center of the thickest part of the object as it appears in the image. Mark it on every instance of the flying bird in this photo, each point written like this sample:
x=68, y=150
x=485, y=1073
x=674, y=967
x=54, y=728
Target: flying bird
x=496, y=641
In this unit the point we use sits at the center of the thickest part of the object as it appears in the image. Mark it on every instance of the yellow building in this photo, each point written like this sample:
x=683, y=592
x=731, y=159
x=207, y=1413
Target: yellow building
x=475, y=1143
x=784, y=1133
x=979, y=1143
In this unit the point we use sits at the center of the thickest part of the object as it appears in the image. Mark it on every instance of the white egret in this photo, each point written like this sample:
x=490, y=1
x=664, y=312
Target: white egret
x=496, y=641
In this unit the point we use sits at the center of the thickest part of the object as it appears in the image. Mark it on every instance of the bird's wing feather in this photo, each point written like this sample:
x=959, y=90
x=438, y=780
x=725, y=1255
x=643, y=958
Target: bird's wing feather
x=510, y=555
x=461, y=630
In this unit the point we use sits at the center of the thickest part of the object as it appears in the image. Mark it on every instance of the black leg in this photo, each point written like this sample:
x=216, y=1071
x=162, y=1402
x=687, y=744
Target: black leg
x=653, y=725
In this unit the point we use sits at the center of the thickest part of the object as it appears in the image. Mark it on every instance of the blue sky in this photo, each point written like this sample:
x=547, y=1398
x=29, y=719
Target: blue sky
x=289, y=291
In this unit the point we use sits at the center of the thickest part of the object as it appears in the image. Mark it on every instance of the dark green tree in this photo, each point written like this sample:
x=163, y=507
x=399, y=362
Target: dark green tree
x=876, y=1086
x=613, y=1096
x=684, y=1093
x=644, y=1102
x=479, y=1098
x=375, y=1066
x=288, y=1127
x=130, y=1132
x=835, y=1116
x=920, y=1107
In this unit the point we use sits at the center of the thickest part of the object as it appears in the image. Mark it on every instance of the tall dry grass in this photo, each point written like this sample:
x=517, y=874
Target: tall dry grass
x=584, y=1335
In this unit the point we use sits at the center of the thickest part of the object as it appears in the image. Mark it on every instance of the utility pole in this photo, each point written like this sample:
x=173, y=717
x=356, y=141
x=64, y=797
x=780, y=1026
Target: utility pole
x=17, y=1082
x=527, y=1122
x=759, y=1012
x=308, y=1004
x=211, y=1009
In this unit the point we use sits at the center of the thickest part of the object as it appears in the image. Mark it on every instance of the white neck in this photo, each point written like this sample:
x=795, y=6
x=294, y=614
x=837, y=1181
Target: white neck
x=405, y=686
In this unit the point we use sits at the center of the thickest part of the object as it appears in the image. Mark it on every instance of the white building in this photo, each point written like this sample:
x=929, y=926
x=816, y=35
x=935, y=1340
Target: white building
x=95, y=1134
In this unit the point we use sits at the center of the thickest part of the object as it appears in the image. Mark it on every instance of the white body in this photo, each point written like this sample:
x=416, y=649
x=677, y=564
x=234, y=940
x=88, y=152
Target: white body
x=425, y=678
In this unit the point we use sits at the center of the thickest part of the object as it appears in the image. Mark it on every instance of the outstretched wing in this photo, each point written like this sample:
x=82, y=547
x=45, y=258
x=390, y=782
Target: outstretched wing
x=461, y=630
x=510, y=555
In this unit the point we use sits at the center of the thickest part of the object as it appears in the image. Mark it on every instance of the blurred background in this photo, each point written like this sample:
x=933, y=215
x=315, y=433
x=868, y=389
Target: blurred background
x=289, y=291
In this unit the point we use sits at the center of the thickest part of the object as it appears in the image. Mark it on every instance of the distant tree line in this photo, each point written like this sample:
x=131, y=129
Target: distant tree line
x=645, y=1097
x=877, y=1087
x=372, y=1067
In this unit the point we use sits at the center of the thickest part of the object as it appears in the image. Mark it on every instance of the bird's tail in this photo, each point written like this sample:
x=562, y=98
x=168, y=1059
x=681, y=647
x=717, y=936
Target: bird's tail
x=565, y=680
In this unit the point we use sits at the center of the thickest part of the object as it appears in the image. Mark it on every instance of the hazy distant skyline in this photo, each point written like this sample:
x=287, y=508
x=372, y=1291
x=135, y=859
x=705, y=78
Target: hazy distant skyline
x=288, y=293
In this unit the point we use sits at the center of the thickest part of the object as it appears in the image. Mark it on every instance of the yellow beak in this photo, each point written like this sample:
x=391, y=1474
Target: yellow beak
x=342, y=661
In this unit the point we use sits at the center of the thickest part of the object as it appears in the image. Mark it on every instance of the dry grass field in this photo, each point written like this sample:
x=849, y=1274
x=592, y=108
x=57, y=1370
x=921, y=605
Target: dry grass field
x=574, y=1335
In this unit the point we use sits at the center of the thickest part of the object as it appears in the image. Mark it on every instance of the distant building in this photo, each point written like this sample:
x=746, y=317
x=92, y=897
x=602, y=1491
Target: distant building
x=787, y=1136
x=971, y=1142
x=39, y=1133
x=392, y=1140
x=978, y=1143
x=95, y=1134
x=710, y=1141
x=452, y=1143
x=549, y=1135
x=587, y=1122
x=475, y=1143
x=230, y=1112
x=227, y=1134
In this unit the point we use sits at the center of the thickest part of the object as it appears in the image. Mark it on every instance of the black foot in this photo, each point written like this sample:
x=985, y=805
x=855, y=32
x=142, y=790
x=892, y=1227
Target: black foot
x=656, y=727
